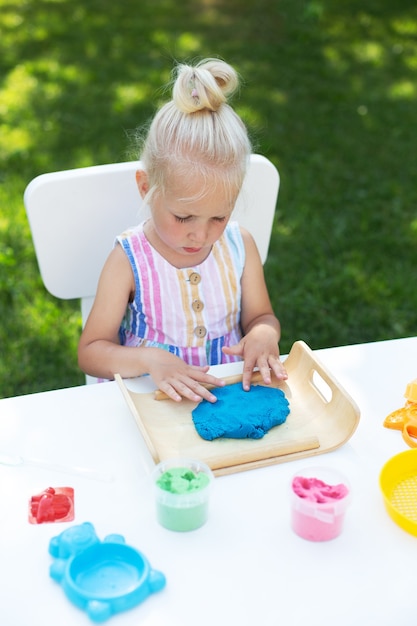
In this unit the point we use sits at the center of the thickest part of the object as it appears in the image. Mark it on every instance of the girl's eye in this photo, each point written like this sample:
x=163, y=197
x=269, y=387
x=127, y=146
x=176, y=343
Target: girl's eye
x=182, y=220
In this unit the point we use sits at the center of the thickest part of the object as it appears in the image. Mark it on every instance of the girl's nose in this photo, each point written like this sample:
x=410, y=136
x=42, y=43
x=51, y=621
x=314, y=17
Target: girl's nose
x=199, y=234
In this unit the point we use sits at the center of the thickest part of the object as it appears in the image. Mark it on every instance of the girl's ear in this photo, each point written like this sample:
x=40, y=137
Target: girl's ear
x=142, y=182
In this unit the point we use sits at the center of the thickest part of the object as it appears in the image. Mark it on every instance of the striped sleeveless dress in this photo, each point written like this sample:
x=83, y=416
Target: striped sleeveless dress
x=191, y=312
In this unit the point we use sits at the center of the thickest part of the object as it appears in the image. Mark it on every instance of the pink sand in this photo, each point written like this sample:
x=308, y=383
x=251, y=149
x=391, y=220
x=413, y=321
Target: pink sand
x=318, y=508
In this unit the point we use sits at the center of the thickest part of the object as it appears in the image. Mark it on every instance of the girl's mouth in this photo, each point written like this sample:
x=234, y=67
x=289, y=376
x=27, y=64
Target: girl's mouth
x=191, y=250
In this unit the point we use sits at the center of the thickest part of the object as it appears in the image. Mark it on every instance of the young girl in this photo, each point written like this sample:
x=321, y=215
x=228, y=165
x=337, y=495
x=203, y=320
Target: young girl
x=185, y=289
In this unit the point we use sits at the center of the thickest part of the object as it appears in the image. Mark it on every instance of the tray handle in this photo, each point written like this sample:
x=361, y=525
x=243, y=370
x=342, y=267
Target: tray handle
x=302, y=359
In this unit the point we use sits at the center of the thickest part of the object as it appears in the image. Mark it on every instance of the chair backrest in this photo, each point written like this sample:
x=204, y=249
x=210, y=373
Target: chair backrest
x=75, y=215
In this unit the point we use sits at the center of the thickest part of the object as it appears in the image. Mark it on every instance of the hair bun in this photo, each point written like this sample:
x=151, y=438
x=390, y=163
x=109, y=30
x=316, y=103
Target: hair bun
x=205, y=86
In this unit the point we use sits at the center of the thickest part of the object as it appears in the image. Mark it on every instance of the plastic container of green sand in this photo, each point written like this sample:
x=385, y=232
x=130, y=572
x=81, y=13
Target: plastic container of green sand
x=182, y=493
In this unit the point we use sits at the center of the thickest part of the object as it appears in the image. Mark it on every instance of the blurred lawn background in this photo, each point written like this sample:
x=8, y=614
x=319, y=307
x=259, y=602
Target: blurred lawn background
x=330, y=96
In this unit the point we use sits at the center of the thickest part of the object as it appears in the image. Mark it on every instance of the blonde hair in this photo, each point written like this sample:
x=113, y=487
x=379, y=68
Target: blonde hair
x=198, y=133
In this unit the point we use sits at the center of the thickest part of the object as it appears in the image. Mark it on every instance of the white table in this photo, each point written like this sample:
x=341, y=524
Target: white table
x=245, y=566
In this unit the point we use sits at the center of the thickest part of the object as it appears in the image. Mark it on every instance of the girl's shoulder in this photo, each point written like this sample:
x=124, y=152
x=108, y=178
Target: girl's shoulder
x=241, y=234
x=131, y=232
x=233, y=238
x=235, y=231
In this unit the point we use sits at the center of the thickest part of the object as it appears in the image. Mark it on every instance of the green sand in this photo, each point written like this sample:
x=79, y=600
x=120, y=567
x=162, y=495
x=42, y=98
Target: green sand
x=182, y=480
x=182, y=513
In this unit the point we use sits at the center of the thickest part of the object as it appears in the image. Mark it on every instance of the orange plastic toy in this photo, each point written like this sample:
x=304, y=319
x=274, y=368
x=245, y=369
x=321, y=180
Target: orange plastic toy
x=405, y=419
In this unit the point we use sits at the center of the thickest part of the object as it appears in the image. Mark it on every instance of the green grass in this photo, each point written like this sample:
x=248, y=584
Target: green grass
x=329, y=94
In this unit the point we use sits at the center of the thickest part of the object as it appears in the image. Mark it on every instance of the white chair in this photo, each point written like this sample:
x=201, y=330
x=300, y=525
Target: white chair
x=75, y=215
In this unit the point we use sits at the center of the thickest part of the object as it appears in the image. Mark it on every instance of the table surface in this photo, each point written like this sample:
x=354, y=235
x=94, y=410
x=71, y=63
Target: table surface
x=245, y=565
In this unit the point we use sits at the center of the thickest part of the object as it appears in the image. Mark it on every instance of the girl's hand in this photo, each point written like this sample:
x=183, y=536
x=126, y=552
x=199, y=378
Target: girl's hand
x=177, y=379
x=259, y=348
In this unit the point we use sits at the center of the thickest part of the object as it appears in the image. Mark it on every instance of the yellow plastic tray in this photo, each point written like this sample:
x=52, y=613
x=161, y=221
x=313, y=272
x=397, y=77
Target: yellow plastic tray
x=398, y=482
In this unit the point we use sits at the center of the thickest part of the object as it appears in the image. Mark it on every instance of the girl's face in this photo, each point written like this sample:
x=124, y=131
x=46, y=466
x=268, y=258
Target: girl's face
x=186, y=223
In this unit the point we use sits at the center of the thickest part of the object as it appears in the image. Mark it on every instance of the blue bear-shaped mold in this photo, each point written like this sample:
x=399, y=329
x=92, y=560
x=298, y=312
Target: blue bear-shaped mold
x=102, y=578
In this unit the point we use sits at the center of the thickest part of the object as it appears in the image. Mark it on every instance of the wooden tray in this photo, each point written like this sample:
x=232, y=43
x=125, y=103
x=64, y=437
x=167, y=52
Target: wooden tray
x=322, y=418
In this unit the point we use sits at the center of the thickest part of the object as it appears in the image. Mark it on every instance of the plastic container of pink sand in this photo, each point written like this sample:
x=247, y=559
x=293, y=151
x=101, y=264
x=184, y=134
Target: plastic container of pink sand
x=320, y=497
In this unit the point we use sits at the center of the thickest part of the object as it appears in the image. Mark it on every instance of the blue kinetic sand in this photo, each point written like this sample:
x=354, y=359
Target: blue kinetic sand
x=101, y=577
x=240, y=414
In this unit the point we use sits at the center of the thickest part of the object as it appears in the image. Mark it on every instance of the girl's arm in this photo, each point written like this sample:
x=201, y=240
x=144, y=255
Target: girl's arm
x=261, y=328
x=99, y=350
x=100, y=353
